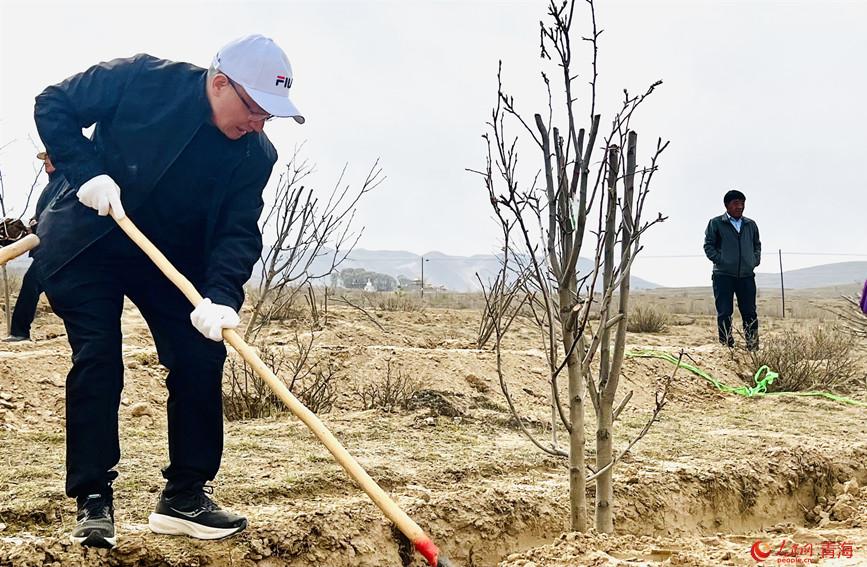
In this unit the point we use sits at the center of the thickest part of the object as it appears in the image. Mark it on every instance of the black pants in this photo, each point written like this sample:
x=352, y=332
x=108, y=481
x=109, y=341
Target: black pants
x=88, y=294
x=25, y=306
x=725, y=288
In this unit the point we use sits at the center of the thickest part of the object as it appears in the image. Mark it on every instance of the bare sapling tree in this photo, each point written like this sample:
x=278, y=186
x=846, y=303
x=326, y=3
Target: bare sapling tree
x=544, y=224
x=312, y=237
x=505, y=297
x=851, y=317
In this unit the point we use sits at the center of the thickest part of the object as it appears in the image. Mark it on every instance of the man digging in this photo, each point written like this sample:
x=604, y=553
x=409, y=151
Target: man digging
x=182, y=149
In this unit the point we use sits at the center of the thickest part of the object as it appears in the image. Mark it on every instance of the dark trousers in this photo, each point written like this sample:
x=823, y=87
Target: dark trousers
x=25, y=306
x=725, y=289
x=88, y=294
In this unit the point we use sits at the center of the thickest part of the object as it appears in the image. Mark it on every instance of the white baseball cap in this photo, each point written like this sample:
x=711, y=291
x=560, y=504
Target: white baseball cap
x=256, y=63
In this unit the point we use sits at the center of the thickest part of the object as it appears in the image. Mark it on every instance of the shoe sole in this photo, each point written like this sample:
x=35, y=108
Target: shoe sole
x=94, y=540
x=169, y=525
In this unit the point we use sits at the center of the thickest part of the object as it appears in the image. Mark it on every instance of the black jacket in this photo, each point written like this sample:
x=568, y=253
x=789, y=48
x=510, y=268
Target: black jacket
x=733, y=253
x=49, y=192
x=146, y=111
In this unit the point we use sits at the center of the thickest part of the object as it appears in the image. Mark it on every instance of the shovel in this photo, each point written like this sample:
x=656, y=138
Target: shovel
x=17, y=248
x=423, y=544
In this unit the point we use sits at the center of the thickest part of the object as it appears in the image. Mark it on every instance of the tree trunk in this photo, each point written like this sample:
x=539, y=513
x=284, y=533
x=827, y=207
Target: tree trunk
x=605, y=415
x=577, y=485
x=605, y=402
x=604, y=455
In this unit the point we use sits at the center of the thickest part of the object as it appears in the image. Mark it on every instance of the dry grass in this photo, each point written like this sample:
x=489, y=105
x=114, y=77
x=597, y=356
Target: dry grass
x=454, y=300
x=399, y=301
x=647, y=319
x=812, y=304
x=247, y=396
x=13, y=280
x=389, y=393
x=811, y=358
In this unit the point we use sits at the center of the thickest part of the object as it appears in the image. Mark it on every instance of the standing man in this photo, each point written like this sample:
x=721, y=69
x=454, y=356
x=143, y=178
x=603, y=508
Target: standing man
x=731, y=242
x=182, y=149
x=31, y=288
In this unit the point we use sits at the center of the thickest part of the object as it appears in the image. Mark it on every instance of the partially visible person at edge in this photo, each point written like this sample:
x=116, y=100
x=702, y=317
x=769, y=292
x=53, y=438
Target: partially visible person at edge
x=181, y=148
x=864, y=299
x=31, y=288
x=731, y=242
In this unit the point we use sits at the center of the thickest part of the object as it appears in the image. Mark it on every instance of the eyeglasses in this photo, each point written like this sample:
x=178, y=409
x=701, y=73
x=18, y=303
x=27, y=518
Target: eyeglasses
x=254, y=115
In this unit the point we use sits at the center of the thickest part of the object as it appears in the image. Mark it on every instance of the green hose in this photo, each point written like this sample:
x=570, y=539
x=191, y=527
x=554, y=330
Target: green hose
x=763, y=377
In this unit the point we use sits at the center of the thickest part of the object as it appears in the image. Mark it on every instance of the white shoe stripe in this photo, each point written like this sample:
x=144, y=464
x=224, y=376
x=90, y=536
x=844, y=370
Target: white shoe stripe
x=163, y=524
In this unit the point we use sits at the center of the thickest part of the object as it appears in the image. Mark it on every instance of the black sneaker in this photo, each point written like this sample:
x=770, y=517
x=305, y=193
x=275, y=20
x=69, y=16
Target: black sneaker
x=95, y=526
x=15, y=339
x=194, y=514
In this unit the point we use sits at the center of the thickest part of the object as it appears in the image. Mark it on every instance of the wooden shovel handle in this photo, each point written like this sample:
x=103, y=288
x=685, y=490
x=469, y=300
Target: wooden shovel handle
x=18, y=248
x=406, y=525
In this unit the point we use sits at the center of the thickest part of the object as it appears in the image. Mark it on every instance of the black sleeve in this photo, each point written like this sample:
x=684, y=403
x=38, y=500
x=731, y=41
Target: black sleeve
x=64, y=109
x=237, y=240
x=711, y=250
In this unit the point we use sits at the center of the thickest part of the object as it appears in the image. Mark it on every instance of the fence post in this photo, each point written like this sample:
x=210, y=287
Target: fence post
x=782, y=286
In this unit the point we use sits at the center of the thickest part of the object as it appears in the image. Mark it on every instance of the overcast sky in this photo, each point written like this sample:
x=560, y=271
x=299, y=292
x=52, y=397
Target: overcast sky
x=767, y=97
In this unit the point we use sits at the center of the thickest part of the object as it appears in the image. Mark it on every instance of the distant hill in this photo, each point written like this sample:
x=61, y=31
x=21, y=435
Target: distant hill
x=456, y=273
x=840, y=273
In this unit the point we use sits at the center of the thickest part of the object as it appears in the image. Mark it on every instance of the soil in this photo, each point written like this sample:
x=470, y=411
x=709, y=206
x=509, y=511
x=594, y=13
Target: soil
x=715, y=475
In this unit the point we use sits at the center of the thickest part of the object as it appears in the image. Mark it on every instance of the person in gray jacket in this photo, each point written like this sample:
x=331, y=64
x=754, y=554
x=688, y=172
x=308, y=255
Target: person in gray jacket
x=731, y=242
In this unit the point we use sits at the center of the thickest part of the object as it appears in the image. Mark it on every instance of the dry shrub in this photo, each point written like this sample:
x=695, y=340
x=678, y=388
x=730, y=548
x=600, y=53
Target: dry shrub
x=816, y=358
x=850, y=316
x=284, y=305
x=287, y=312
x=454, y=300
x=647, y=320
x=390, y=392
x=399, y=301
x=247, y=396
x=316, y=388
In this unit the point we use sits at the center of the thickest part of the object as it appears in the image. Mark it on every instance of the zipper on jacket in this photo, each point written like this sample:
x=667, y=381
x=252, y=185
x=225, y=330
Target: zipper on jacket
x=731, y=226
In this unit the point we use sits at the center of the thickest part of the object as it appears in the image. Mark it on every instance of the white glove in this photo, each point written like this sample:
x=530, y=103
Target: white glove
x=210, y=319
x=103, y=194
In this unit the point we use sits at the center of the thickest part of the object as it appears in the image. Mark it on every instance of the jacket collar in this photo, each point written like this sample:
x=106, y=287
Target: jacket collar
x=725, y=218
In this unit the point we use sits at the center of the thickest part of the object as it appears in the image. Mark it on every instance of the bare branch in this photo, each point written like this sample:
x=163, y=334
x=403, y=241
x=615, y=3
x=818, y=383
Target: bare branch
x=654, y=417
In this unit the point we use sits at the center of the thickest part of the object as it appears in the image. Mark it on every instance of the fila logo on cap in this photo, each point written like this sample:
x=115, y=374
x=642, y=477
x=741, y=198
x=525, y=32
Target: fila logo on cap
x=285, y=81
